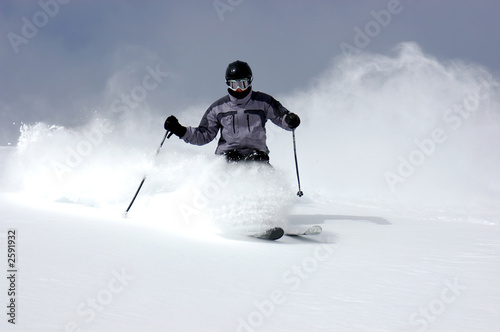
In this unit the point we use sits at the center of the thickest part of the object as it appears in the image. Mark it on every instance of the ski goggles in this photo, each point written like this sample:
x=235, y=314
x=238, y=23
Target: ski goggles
x=243, y=84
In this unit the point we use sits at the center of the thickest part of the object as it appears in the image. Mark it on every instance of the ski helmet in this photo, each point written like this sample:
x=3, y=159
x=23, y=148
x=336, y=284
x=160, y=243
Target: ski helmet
x=238, y=70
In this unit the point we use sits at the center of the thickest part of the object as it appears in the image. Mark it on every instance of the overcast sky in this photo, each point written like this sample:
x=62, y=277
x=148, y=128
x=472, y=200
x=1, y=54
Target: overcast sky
x=61, y=60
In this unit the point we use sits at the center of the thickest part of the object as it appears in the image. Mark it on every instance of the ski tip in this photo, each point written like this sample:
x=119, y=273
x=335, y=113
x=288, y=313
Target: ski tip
x=314, y=230
x=274, y=233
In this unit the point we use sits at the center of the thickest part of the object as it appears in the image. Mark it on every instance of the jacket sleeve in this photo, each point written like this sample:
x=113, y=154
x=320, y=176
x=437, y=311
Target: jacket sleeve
x=206, y=130
x=276, y=113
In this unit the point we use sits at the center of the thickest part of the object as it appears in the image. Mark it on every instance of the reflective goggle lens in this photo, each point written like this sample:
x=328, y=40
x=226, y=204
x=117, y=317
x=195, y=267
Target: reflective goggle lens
x=243, y=84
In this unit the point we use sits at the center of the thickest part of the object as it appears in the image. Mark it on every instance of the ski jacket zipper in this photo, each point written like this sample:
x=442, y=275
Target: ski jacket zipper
x=248, y=121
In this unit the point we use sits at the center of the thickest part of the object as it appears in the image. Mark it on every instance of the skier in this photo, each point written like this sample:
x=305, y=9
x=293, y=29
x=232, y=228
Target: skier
x=240, y=116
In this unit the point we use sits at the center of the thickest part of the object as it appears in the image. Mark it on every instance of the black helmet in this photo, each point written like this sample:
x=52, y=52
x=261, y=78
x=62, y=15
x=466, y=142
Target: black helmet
x=238, y=70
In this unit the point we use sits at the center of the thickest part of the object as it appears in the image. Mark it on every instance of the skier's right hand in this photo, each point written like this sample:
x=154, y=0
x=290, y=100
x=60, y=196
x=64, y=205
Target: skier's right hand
x=172, y=126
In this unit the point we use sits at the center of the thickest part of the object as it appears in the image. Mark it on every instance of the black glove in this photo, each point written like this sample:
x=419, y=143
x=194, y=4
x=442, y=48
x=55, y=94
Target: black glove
x=173, y=126
x=292, y=120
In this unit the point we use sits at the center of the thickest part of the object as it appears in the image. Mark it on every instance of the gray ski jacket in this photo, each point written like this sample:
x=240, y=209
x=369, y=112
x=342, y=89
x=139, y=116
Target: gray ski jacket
x=241, y=122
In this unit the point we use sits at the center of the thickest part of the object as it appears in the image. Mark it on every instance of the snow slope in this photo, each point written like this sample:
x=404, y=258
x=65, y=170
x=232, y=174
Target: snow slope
x=411, y=237
x=366, y=273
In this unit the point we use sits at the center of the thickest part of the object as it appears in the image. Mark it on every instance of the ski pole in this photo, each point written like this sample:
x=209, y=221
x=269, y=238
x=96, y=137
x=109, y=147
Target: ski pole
x=299, y=193
x=143, y=179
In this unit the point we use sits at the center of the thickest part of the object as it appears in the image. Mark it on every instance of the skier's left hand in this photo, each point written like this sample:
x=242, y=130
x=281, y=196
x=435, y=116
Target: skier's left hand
x=292, y=120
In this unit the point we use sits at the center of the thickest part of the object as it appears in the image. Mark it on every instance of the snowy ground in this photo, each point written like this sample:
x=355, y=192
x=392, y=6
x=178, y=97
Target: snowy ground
x=420, y=253
x=370, y=270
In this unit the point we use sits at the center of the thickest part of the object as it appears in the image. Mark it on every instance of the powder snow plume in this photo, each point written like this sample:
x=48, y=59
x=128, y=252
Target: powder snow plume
x=404, y=128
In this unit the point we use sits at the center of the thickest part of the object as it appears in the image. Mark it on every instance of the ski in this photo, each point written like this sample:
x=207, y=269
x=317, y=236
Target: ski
x=313, y=230
x=270, y=234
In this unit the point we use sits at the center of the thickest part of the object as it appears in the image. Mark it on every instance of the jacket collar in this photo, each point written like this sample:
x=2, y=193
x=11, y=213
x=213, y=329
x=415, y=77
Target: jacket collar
x=241, y=101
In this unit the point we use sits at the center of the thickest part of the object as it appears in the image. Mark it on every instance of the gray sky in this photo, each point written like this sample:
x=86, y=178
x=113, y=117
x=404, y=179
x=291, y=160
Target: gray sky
x=62, y=60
